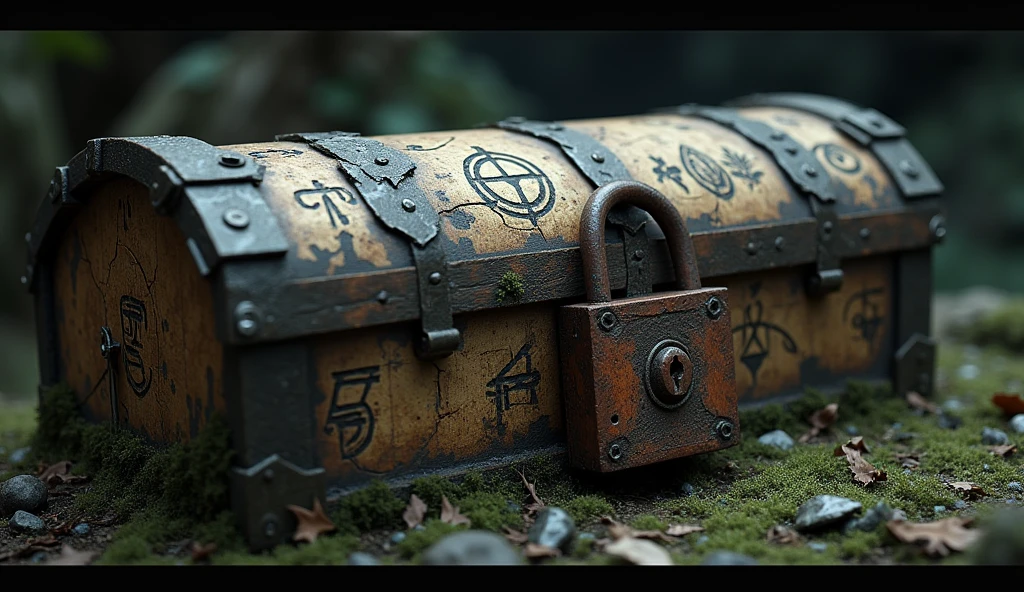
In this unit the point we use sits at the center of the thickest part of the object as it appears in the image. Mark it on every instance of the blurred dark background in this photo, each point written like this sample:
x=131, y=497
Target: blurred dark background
x=960, y=95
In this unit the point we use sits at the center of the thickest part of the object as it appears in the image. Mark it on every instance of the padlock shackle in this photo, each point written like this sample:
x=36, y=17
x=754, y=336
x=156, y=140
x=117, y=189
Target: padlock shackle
x=592, y=223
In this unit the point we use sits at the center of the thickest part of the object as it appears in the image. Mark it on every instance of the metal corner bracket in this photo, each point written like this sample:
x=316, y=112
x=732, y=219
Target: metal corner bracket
x=261, y=494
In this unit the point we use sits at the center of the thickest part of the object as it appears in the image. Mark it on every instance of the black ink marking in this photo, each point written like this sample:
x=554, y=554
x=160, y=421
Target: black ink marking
x=707, y=172
x=353, y=421
x=786, y=120
x=284, y=153
x=174, y=389
x=755, y=335
x=418, y=148
x=442, y=175
x=441, y=196
x=838, y=158
x=125, y=208
x=866, y=319
x=324, y=193
x=671, y=172
x=163, y=369
x=166, y=326
x=524, y=381
x=461, y=219
x=133, y=316
x=510, y=185
x=742, y=167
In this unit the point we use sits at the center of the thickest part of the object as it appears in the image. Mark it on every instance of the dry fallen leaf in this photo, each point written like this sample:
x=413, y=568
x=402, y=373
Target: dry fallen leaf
x=71, y=556
x=970, y=490
x=515, y=536
x=414, y=512
x=1010, y=403
x=822, y=419
x=916, y=401
x=639, y=552
x=312, y=523
x=450, y=514
x=781, y=535
x=58, y=473
x=1003, y=450
x=940, y=537
x=863, y=471
x=535, y=504
x=202, y=552
x=909, y=460
x=536, y=551
x=678, y=530
x=618, y=531
x=854, y=443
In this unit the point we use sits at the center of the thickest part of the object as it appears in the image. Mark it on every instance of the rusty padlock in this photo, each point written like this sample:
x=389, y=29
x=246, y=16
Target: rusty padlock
x=648, y=378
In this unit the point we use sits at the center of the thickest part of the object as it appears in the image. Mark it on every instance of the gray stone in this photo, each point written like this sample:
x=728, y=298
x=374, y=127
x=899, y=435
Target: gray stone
x=817, y=546
x=949, y=422
x=553, y=528
x=852, y=430
x=513, y=507
x=939, y=509
x=22, y=492
x=728, y=558
x=702, y=539
x=1015, y=486
x=994, y=437
x=688, y=489
x=473, y=547
x=360, y=558
x=986, y=468
x=587, y=536
x=825, y=510
x=1017, y=423
x=778, y=439
x=19, y=455
x=397, y=538
x=877, y=515
x=419, y=527
x=82, y=529
x=953, y=406
x=38, y=557
x=968, y=372
x=897, y=425
x=906, y=471
x=959, y=504
x=899, y=515
x=24, y=522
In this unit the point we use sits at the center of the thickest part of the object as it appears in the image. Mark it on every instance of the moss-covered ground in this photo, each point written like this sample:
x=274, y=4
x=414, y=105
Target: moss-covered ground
x=166, y=499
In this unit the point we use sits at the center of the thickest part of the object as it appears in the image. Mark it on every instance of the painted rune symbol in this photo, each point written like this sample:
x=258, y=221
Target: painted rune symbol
x=867, y=320
x=671, y=172
x=325, y=194
x=509, y=184
x=756, y=334
x=354, y=421
x=504, y=385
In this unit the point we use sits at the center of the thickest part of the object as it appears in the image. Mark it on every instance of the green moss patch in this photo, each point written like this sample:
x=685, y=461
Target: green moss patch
x=588, y=508
x=511, y=288
x=1002, y=327
x=374, y=507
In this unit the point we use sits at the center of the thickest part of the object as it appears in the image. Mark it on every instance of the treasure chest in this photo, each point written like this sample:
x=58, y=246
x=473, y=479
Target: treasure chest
x=383, y=308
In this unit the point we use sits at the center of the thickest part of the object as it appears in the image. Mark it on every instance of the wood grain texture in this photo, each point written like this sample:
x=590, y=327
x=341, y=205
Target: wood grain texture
x=122, y=266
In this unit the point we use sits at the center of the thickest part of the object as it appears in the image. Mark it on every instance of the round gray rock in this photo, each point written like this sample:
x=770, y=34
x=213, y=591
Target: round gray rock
x=1017, y=423
x=953, y=406
x=82, y=529
x=825, y=510
x=28, y=523
x=554, y=528
x=778, y=439
x=472, y=547
x=728, y=558
x=994, y=437
x=22, y=492
x=1015, y=486
x=397, y=538
x=871, y=519
x=360, y=558
x=19, y=455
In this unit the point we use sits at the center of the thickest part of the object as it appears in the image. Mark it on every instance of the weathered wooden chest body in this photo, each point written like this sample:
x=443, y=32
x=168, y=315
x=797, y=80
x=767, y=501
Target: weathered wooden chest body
x=384, y=308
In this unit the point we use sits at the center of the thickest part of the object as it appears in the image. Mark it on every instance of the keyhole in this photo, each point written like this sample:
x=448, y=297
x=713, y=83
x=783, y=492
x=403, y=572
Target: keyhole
x=678, y=371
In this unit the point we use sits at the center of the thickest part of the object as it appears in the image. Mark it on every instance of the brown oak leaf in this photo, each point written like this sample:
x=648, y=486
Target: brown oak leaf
x=312, y=523
x=617, y=531
x=414, y=512
x=1010, y=403
x=536, y=551
x=781, y=535
x=450, y=514
x=916, y=401
x=71, y=556
x=820, y=420
x=202, y=552
x=909, y=460
x=639, y=552
x=854, y=443
x=515, y=536
x=59, y=473
x=863, y=472
x=1003, y=450
x=535, y=503
x=939, y=537
x=968, y=489
x=678, y=530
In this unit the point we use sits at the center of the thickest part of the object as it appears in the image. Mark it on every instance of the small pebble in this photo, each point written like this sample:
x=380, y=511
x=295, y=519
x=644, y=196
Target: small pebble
x=360, y=558
x=986, y=468
x=939, y=509
x=1017, y=423
x=419, y=527
x=1015, y=486
x=994, y=437
x=38, y=557
x=817, y=546
x=702, y=539
x=728, y=558
x=897, y=425
x=22, y=492
x=825, y=510
x=587, y=536
x=81, y=529
x=553, y=528
x=906, y=471
x=688, y=489
x=513, y=507
x=960, y=504
x=397, y=538
x=968, y=372
x=19, y=455
x=474, y=547
x=899, y=515
x=953, y=406
x=778, y=439
x=723, y=502
x=949, y=422
x=22, y=521
x=852, y=430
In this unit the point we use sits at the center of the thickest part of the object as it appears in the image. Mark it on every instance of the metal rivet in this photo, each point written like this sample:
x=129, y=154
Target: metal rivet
x=247, y=317
x=751, y=248
x=791, y=150
x=938, y=227
x=24, y=280
x=615, y=452
x=606, y=320
x=597, y=157
x=638, y=255
x=28, y=237
x=381, y=161
x=908, y=169
x=435, y=278
x=809, y=170
x=777, y=136
x=615, y=419
x=865, y=233
x=556, y=127
x=232, y=160
x=724, y=429
x=383, y=297
x=236, y=218
x=269, y=527
x=779, y=241
x=408, y=205
x=268, y=475
x=714, y=307
x=247, y=326
x=827, y=227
